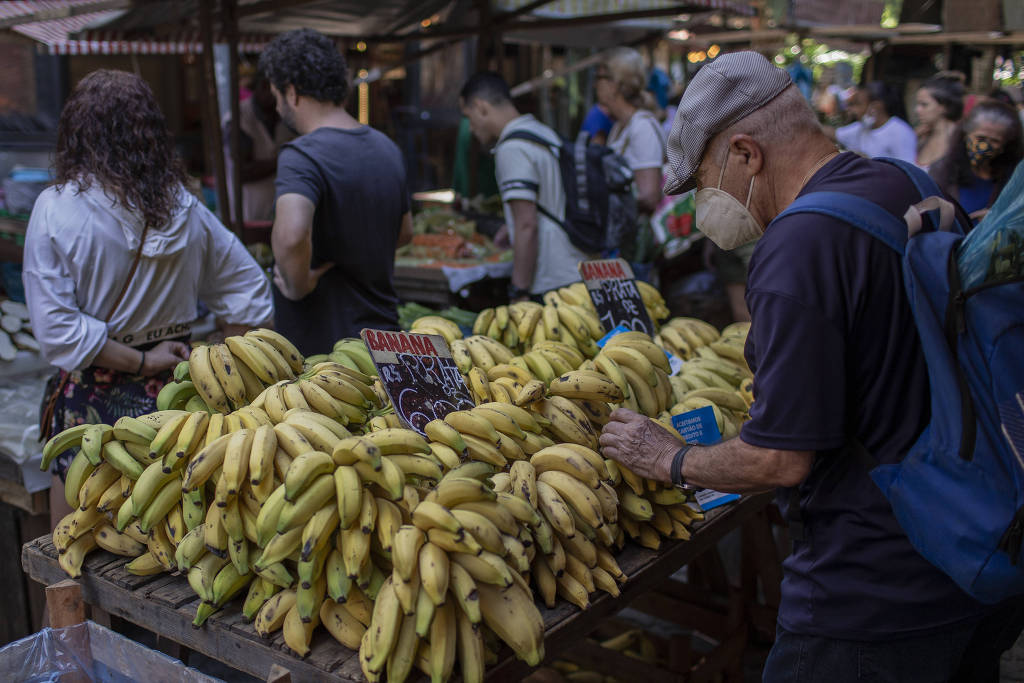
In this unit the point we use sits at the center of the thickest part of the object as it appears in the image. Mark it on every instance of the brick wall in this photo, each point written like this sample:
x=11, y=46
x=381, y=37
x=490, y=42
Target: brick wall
x=832, y=12
x=17, y=75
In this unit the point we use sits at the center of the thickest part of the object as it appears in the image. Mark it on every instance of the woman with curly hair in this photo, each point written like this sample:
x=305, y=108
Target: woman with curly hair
x=117, y=256
x=983, y=152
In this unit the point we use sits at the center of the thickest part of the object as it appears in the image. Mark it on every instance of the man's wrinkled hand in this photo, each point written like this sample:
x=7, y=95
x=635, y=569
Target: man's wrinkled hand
x=640, y=444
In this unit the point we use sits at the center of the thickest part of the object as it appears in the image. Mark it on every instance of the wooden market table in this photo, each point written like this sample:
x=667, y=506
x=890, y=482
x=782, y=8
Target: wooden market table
x=165, y=604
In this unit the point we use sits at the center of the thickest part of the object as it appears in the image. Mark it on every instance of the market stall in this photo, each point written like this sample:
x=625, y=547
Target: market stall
x=453, y=259
x=167, y=605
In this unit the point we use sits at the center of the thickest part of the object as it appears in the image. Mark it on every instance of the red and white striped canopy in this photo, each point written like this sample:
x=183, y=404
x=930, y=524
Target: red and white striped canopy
x=63, y=33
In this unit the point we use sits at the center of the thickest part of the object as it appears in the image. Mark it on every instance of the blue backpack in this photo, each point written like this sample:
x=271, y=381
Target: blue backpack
x=959, y=492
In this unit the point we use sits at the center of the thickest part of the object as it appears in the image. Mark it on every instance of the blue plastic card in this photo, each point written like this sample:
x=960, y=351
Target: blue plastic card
x=618, y=329
x=700, y=427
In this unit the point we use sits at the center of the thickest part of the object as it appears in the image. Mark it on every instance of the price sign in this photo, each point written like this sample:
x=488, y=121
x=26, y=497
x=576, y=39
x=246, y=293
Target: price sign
x=419, y=375
x=615, y=295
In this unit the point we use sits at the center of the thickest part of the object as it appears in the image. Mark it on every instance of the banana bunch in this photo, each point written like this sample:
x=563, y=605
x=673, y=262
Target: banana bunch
x=455, y=577
x=350, y=352
x=569, y=489
x=651, y=511
x=106, y=470
x=224, y=377
x=640, y=368
x=683, y=337
x=435, y=324
x=330, y=389
x=717, y=378
x=523, y=326
x=654, y=301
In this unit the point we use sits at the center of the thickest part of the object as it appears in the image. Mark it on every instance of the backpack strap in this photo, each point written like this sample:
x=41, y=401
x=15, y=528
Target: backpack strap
x=534, y=138
x=859, y=212
x=924, y=184
x=555, y=150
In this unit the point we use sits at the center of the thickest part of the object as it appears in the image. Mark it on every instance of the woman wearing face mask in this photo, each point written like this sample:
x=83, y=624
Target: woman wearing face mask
x=637, y=135
x=938, y=104
x=983, y=153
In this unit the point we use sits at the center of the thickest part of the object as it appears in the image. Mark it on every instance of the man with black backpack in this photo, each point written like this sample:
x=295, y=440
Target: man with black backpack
x=843, y=393
x=565, y=202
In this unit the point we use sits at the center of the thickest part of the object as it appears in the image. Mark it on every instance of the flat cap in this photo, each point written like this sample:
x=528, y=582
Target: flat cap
x=728, y=89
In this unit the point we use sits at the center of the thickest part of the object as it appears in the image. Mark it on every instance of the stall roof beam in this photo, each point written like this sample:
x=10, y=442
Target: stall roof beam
x=267, y=6
x=566, y=22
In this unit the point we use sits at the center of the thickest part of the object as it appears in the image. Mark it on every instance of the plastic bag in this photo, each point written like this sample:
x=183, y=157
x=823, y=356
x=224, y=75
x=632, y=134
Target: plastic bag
x=90, y=652
x=994, y=250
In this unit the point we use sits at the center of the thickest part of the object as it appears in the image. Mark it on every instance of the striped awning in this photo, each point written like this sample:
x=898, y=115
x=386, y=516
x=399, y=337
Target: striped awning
x=62, y=27
x=577, y=8
x=115, y=43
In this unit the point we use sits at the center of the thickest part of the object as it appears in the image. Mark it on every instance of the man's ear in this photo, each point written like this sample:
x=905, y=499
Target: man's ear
x=748, y=151
x=291, y=96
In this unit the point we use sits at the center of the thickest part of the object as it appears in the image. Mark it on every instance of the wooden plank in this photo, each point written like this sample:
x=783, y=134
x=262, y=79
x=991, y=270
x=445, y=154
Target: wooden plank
x=174, y=593
x=153, y=589
x=217, y=639
x=708, y=621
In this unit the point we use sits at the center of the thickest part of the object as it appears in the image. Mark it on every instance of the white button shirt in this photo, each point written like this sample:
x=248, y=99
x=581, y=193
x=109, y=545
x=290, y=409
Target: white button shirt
x=79, y=248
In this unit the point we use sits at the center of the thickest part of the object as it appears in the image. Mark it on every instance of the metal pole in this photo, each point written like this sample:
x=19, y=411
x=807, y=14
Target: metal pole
x=216, y=139
x=230, y=20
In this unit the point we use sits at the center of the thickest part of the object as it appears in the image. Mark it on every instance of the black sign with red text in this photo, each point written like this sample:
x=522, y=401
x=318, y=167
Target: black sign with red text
x=615, y=295
x=419, y=375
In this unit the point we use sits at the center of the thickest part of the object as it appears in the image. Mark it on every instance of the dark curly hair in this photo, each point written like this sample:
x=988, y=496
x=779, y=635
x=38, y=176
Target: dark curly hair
x=112, y=132
x=310, y=62
x=954, y=169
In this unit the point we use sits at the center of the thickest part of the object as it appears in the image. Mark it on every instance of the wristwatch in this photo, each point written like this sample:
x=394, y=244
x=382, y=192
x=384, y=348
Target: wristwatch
x=516, y=292
x=677, y=468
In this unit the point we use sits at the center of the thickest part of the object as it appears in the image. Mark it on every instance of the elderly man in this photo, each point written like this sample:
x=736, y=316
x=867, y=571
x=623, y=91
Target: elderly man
x=837, y=362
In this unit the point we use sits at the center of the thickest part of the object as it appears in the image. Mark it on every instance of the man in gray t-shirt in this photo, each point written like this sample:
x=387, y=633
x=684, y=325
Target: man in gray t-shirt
x=530, y=183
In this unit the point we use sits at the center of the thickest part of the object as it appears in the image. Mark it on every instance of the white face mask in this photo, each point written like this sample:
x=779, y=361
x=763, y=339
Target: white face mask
x=722, y=217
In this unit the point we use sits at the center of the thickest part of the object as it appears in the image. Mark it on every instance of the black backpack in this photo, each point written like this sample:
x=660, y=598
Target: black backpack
x=600, y=206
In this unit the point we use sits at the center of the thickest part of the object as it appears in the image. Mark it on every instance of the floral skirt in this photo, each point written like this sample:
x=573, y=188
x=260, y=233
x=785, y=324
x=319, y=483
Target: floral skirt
x=99, y=396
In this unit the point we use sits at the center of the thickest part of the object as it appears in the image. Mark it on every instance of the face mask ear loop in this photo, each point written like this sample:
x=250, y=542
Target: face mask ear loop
x=721, y=174
x=750, y=192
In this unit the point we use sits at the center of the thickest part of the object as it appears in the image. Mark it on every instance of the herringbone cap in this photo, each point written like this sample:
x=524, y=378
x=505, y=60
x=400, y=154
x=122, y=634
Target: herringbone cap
x=723, y=92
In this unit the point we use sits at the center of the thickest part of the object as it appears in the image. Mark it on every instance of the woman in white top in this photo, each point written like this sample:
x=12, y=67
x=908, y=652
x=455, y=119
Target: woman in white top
x=637, y=134
x=113, y=316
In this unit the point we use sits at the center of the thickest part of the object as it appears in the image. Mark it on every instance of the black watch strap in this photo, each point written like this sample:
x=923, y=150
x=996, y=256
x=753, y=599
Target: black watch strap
x=517, y=292
x=677, y=465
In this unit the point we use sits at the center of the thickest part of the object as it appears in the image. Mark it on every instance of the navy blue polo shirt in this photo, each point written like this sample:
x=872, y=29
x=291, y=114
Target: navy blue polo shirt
x=836, y=354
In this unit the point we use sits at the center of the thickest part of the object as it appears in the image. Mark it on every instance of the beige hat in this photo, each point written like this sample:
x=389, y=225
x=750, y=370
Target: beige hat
x=723, y=92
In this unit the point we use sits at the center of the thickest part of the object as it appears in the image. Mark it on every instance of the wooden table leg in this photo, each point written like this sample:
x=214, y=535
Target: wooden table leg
x=99, y=615
x=64, y=603
x=279, y=674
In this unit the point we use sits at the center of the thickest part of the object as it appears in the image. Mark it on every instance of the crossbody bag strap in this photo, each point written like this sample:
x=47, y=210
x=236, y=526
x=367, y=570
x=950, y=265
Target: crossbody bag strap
x=46, y=420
